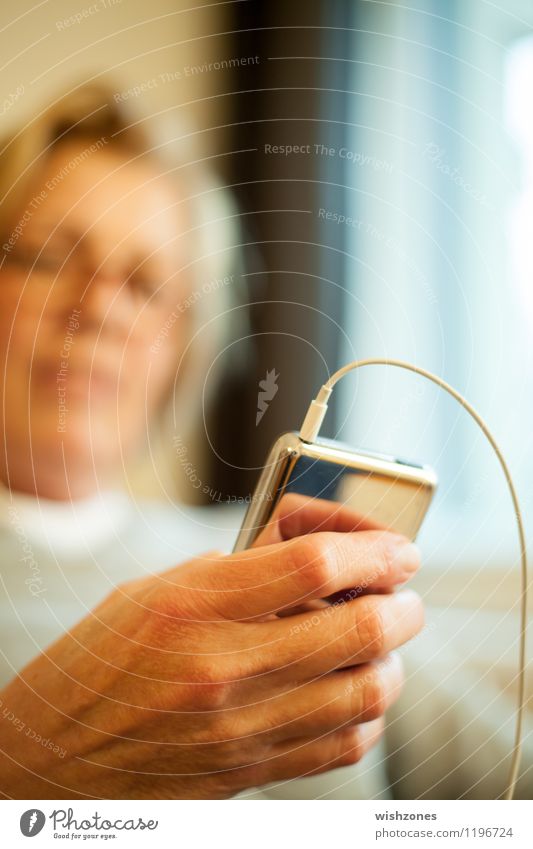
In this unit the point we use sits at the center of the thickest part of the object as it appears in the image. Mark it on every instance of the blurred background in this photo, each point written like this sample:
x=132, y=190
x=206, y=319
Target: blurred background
x=380, y=160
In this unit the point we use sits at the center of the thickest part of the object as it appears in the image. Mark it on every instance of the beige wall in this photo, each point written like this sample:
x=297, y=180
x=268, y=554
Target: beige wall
x=45, y=51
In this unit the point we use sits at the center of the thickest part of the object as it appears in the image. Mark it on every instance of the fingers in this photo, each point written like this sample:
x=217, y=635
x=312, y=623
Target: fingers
x=304, y=757
x=327, y=704
x=261, y=581
x=360, y=631
x=296, y=515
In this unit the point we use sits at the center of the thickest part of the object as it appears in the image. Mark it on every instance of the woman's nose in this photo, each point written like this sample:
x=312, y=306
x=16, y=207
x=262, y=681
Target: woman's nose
x=106, y=300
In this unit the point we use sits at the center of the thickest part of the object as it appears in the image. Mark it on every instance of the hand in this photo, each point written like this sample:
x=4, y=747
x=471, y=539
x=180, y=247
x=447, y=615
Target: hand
x=189, y=685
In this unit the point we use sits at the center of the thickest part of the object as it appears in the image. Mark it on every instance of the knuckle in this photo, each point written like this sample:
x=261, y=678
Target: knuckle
x=216, y=694
x=167, y=622
x=316, y=562
x=226, y=733
x=381, y=551
x=162, y=620
x=209, y=690
x=371, y=629
x=170, y=605
x=385, y=556
x=350, y=747
x=373, y=697
x=259, y=770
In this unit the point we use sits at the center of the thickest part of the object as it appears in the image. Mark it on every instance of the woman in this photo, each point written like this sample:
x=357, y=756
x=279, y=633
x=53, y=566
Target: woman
x=182, y=683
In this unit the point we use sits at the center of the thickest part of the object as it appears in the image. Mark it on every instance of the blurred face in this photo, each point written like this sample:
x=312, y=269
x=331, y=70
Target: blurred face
x=85, y=291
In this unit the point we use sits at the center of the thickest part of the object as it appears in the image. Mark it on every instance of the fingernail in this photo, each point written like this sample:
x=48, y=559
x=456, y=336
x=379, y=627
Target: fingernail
x=406, y=559
x=391, y=668
x=408, y=603
x=371, y=731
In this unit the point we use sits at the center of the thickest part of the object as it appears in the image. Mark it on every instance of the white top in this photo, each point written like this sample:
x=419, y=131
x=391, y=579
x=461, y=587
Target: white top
x=62, y=525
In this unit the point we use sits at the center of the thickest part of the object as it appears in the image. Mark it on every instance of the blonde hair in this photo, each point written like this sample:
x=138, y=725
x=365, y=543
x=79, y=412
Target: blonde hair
x=93, y=113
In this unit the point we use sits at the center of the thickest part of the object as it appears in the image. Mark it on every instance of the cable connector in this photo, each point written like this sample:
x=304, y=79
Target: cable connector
x=315, y=415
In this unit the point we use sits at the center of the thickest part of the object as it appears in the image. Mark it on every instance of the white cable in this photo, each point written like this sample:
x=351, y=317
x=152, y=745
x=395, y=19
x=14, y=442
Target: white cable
x=309, y=432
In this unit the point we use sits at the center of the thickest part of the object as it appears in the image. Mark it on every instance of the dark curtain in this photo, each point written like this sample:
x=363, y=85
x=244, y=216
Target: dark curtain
x=288, y=113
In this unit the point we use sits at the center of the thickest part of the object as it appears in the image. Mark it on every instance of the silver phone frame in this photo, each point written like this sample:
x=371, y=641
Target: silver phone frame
x=289, y=447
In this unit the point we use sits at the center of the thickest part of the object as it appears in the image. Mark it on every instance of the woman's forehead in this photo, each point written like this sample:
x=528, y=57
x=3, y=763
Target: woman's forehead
x=104, y=195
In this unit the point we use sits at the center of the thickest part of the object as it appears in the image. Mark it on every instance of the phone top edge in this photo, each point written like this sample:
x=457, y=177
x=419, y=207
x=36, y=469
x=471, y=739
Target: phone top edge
x=340, y=452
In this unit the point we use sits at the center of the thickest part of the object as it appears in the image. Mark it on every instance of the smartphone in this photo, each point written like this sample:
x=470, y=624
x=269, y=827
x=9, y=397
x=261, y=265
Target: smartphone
x=389, y=491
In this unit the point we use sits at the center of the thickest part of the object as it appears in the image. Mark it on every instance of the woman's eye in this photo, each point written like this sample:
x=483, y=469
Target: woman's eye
x=36, y=259
x=146, y=286
x=49, y=262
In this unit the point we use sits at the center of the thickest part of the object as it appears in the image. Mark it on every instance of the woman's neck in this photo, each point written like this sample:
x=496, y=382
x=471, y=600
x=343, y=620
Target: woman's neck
x=55, y=483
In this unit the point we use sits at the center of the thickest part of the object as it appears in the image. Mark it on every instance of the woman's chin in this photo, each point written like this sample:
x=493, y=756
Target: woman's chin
x=77, y=438
x=71, y=450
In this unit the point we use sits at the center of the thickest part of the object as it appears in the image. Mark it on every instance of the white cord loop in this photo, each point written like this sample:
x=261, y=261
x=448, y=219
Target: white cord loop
x=309, y=432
